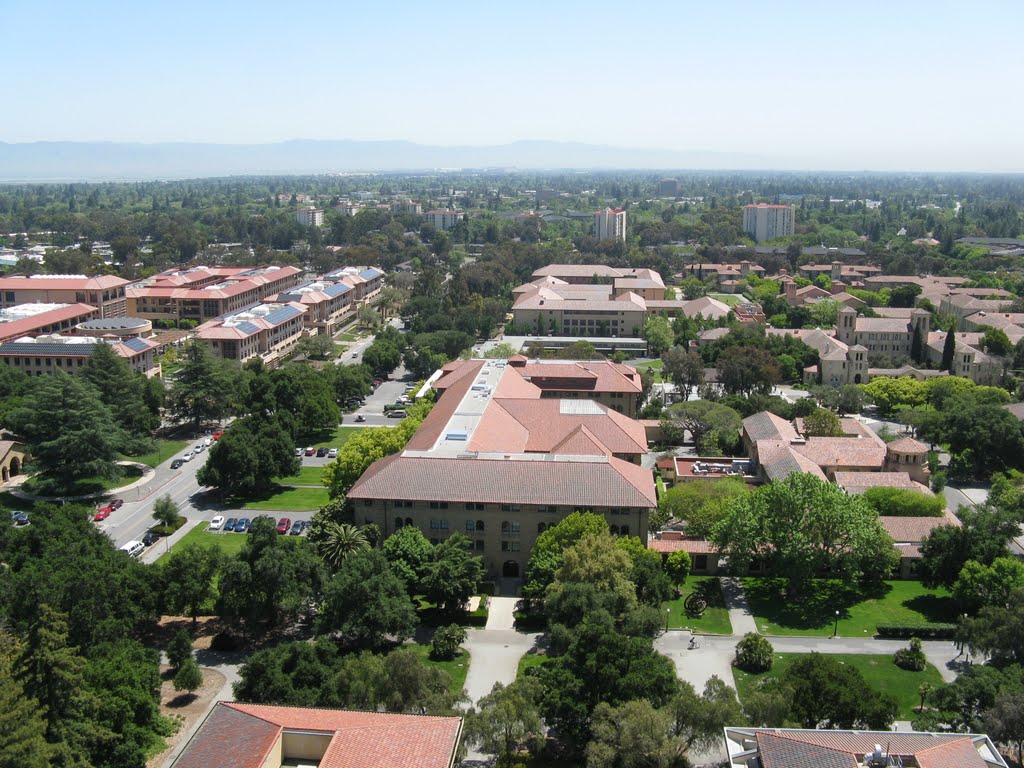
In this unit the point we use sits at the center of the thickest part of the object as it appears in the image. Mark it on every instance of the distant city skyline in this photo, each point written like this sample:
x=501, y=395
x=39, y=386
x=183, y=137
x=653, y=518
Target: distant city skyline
x=799, y=85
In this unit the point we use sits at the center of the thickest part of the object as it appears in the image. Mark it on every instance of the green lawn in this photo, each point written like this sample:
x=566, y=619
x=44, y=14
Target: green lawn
x=285, y=499
x=306, y=476
x=166, y=450
x=878, y=670
x=328, y=438
x=655, y=366
x=899, y=602
x=84, y=486
x=9, y=501
x=732, y=299
x=530, y=660
x=457, y=668
x=714, y=621
x=229, y=543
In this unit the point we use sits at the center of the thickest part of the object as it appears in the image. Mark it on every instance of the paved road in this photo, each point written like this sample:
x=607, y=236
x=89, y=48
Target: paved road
x=494, y=658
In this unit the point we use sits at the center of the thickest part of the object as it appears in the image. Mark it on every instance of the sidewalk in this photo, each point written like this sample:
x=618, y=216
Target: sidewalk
x=158, y=550
x=736, y=601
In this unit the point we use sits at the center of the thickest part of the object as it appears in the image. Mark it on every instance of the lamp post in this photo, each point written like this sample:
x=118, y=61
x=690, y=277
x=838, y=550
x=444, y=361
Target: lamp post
x=667, y=612
x=835, y=631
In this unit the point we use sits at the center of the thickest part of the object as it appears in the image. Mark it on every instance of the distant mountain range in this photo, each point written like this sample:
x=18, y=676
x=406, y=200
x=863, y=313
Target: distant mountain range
x=94, y=161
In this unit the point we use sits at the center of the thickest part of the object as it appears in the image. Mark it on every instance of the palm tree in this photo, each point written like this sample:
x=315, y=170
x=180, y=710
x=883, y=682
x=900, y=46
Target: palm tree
x=340, y=541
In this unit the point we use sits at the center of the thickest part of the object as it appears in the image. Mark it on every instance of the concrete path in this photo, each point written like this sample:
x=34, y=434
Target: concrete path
x=501, y=613
x=736, y=601
x=494, y=658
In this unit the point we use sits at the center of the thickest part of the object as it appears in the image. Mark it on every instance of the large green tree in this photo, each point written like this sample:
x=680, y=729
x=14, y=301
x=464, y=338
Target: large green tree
x=982, y=536
x=247, y=458
x=633, y=735
x=747, y=370
x=829, y=694
x=803, y=525
x=507, y=721
x=204, y=388
x=22, y=727
x=452, y=575
x=546, y=555
x=408, y=552
x=122, y=389
x=684, y=367
x=701, y=418
x=700, y=503
x=188, y=579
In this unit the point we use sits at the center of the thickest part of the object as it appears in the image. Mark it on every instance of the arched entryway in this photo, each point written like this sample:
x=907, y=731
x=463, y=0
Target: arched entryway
x=510, y=570
x=3, y=474
x=856, y=379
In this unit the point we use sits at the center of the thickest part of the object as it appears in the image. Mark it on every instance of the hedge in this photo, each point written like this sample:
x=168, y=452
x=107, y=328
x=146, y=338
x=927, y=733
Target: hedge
x=167, y=530
x=924, y=631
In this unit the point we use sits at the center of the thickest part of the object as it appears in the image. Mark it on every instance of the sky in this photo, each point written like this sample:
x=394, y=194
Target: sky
x=894, y=85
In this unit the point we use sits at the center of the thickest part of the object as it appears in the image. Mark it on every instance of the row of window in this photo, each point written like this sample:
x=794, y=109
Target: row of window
x=508, y=528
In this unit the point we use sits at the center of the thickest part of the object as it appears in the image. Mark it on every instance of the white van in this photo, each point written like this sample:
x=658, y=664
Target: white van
x=133, y=548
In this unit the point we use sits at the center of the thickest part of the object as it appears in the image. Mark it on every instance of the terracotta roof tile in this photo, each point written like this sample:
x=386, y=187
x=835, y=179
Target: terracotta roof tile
x=914, y=530
x=858, y=482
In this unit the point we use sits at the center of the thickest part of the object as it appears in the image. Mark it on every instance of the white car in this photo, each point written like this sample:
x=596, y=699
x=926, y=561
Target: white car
x=217, y=523
x=332, y=454
x=187, y=456
x=199, y=448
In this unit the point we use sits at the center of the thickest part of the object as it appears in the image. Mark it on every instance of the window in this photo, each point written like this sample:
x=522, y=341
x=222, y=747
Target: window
x=480, y=525
x=506, y=527
x=510, y=546
x=408, y=521
x=470, y=526
x=367, y=502
x=614, y=530
x=444, y=525
x=515, y=526
x=398, y=523
x=433, y=523
x=479, y=545
x=700, y=562
x=624, y=530
x=541, y=527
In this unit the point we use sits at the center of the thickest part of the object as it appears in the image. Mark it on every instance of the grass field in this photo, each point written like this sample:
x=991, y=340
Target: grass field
x=714, y=621
x=327, y=439
x=732, y=299
x=286, y=499
x=457, y=668
x=878, y=670
x=859, y=614
x=229, y=543
x=85, y=485
x=654, y=366
x=530, y=660
x=306, y=476
x=166, y=450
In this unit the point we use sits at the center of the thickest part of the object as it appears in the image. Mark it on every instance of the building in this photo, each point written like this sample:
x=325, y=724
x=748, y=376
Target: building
x=888, y=335
x=47, y=354
x=498, y=461
x=348, y=209
x=236, y=735
x=795, y=748
x=310, y=217
x=105, y=292
x=37, y=319
x=610, y=224
x=366, y=282
x=268, y=331
x=406, y=208
x=444, y=220
x=767, y=222
x=668, y=187
x=204, y=293
x=328, y=304
x=116, y=328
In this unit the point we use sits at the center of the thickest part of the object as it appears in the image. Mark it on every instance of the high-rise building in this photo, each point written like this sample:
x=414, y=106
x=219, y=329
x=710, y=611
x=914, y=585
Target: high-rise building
x=444, y=220
x=668, y=188
x=767, y=222
x=610, y=224
x=310, y=217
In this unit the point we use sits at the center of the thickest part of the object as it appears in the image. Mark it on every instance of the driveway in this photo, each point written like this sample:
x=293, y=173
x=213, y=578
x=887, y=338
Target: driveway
x=494, y=658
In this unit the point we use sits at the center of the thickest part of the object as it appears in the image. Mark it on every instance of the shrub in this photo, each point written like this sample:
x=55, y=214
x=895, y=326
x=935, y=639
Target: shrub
x=189, y=677
x=911, y=658
x=446, y=642
x=167, y=530
x=754, y=653
x=900, y=502
x=927, y=631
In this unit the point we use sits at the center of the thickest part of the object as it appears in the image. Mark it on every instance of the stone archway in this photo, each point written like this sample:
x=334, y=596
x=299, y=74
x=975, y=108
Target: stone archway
x=15, y=466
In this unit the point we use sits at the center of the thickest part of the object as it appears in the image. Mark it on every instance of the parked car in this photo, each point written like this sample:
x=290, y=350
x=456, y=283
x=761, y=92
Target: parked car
x=397, y=413
x=355, y=354
x=102, y=514
x=230, y=524
x=298, y=527
x=298, y=451
x=217, y=435
x=311, y=451
x=187, y=456
x=217, y=523
x=177, y=464
x=321, y=452
x=242, y=525
x=150, y=538
x=199, y=448
x=284, y=525
x=332, y=453
x=19, y=518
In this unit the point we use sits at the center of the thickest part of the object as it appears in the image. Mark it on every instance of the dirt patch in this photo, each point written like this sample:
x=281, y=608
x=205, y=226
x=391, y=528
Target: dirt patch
x=186, y=710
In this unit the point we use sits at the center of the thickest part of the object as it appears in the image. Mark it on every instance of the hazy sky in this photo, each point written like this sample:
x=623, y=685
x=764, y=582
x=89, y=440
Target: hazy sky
x=899, y=84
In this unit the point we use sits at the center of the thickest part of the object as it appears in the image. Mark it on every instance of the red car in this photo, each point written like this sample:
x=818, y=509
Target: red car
x=216, y=435
x=102, y=513
x=284, y=525
x=116, y=504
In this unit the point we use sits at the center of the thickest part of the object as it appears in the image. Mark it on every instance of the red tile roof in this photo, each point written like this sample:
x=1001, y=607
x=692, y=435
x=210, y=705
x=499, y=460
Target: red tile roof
x=243, y=735
x=27, y=326
x=914, y=530
x=98, y=283
x=691, y=545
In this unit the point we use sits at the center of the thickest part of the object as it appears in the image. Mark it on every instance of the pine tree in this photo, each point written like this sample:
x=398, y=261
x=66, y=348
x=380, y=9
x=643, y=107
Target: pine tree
x=948, y=350
x=22, y=728
x=916, y=344
x=189, y=677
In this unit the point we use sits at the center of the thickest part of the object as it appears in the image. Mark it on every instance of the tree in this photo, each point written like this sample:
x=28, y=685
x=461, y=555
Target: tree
x=700, y=418
x=838, y=532
x=598, y=562
x=754, y=653
x=366, y=604
x=408, y=552
x=22, y=727
x=980, y=585
x=340, y=541
x=189, y=677
x=992, y=434
x=179, y=649
x=658, y=334
x=68, y=431
x=444, y=646
x=382, y=356
x=948, y=350
x=746, y=371
x=912, y=657
x=632, y=735
x=1004, y=721
x=507, y=721
x=678, y=565
x=122, y=389
x=851, y=399
x=203, y=388
x=996, y=342
x=247, y=458
x=699, y=720
x=701, y=503
x=768, y=704
x=822, y=423
x=165, y=511
x=829, y=694
x=982, y=536
x=452, y=575
x=901, y=502
x=421, y=362
x=960, y=705
x=825, y=313
x=546, y=555
x=188, y=579
x=319, y=347
x=684, y=367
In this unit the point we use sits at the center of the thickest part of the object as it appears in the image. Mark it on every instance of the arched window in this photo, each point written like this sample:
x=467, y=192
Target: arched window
x=614, y=530
x=398, y=523
x=541, y=527
x=624, y=530
x=408, y=521
x=479, y=526
x=506, y=527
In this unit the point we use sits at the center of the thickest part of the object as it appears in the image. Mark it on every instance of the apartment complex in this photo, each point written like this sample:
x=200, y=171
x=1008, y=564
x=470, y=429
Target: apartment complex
x=406, y=208
x=310, y=217
x=366, y=282
x=767, y=222
x=268, y=330
x=105, y=292
x=204, y=293
x=499, y=462
x=610, y=224
x=328, y=304
x=443, y=220
x=50, y=353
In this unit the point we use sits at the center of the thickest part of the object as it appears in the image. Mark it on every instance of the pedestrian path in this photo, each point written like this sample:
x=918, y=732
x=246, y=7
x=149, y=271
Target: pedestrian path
x=736, y=601
x=501, y=613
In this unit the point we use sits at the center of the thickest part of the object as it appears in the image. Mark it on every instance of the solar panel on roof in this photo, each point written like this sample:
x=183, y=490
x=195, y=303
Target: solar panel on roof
x=136, y=345
x=248, y=327
x=280, y=315
x=47, y=350
x=337, y=289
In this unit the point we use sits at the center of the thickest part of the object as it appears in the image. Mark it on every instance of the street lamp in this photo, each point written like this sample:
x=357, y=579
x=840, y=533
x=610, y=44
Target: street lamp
x=667, y=612
x=835, y=631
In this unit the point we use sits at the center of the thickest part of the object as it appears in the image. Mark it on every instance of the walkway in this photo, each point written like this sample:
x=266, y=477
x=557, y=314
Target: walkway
x=740, y=615
x=494, y=658
x=501, y=613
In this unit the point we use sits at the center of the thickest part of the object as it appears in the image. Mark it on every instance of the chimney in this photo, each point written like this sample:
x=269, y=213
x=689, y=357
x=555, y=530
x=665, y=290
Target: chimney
x=838, y=287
